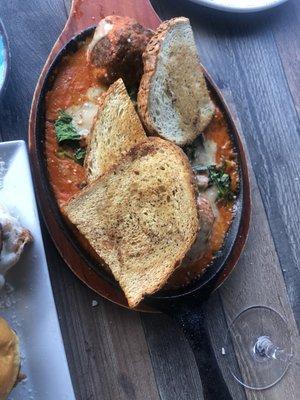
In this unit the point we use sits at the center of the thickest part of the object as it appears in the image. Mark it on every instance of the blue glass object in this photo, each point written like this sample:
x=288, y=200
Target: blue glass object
x=4, y=57
x=2, y=61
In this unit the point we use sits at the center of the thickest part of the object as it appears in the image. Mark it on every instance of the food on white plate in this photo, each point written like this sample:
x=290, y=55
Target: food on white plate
x=116, y=49
x=9, y=360
x=141, y=217
x=13, y=238
x=80, y=155
x=116, y=130
x=173, y=100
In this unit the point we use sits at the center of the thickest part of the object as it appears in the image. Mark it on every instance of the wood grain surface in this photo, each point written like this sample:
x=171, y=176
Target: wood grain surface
x=118, y=354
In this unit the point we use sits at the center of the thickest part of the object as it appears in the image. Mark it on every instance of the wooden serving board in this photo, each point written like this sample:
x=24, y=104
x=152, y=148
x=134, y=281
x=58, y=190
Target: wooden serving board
x=84, y=14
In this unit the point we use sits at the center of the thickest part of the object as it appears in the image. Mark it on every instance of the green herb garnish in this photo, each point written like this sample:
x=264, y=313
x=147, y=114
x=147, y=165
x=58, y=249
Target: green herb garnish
x=64, y=129
x=79, y=155
x=64, y=154
x=218, y=177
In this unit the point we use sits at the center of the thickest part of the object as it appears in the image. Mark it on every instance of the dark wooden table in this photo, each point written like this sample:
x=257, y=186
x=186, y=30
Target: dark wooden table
x=255, y=60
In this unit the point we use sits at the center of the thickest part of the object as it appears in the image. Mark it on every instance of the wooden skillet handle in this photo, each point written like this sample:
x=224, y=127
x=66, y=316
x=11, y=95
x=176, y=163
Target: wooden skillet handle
x=86, y=13
x=190, y=316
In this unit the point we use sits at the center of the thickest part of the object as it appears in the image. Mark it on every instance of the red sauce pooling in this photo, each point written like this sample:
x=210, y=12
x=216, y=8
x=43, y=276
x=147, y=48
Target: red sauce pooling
x=66, y=176
x=74, y=77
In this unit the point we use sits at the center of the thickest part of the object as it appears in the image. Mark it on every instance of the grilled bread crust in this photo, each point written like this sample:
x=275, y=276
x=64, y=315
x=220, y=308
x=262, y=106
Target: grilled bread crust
x=173, y=100
x=117, y=128
x=141, y=216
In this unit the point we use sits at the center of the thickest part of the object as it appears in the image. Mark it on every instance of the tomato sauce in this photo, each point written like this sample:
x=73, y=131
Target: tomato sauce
x=217, y=131
x=74, y=77
x=66, y=176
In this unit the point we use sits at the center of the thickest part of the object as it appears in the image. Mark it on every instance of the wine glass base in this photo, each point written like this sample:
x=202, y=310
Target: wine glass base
x=258, y=347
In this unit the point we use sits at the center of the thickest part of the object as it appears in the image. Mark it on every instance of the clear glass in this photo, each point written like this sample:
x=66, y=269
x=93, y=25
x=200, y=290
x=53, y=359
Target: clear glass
x=258, y=347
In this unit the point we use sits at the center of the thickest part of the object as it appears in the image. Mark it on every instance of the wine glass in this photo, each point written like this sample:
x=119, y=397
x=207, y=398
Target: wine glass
x=258, y=347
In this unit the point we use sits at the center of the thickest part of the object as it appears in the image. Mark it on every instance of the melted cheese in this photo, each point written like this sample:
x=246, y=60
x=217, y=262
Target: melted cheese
x=103, y=28
x=83, y=117
x=206, y=154
x=84, y=114
x=9, y=359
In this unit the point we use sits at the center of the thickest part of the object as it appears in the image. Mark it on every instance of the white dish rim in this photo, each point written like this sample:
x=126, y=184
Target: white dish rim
x=239, y=9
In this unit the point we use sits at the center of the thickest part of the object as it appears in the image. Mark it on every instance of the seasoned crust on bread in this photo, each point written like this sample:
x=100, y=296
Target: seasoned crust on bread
x=141, y=216
x=117, y=128
x=173, y=100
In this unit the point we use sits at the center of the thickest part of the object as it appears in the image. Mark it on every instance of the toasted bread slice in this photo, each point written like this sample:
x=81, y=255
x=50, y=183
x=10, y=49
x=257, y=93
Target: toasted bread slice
x=116, y=130
x=173, y=100
x=141, y=216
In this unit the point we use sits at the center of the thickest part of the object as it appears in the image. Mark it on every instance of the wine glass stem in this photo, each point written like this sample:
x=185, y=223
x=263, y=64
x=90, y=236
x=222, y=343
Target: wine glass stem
x=264, y=347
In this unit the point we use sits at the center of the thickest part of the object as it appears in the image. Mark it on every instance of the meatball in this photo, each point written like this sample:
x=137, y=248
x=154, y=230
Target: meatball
x=202, y=181
x=206, y=217
x=206, y=221
x=116, y=50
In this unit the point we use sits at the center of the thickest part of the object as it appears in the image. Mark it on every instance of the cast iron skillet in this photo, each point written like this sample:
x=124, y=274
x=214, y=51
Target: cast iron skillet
x=183, y=305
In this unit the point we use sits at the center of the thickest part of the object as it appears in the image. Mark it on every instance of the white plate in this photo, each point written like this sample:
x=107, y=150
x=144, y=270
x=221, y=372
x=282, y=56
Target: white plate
x=27, y=301
x=240, y=5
